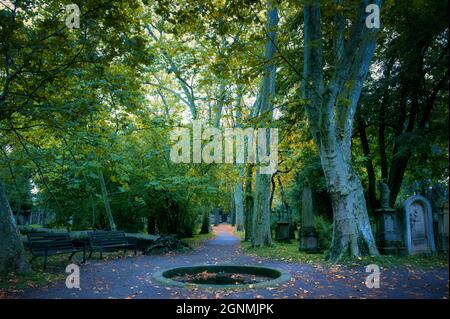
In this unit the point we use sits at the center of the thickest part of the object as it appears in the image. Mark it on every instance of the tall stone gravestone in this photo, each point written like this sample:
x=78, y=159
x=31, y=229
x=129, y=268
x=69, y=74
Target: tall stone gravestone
x=442, y=228
x=308, y=233
x=419, y=236
x=389, y=229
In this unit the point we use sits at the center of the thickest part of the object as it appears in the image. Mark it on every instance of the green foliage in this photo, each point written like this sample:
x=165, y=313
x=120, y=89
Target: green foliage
x=324, y=230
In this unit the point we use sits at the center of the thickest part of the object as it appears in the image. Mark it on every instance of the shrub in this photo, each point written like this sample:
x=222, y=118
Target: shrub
x=324, y=229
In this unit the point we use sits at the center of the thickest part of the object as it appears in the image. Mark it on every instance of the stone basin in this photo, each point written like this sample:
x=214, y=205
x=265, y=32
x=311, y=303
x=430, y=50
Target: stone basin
x=222, y=277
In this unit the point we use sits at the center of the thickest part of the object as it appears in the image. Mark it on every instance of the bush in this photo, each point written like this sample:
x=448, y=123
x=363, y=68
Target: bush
x=324, y=229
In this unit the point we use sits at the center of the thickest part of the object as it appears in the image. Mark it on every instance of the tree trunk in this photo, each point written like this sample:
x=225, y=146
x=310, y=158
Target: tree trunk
x=352, y=233
x=239, y=202
x=205, y=223
x=91, y=200
x=233, y=210
x=371, y=191
x=396, y=174
x=261, y=231
x=248, y=202
x=151, y=225
x=109, y=215
x=330, y=115
x=12, y=252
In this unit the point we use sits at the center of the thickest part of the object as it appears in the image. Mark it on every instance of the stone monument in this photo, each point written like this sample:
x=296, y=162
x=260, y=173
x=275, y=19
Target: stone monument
x=308, y=234
x=283, y=227
x=282, y=231
x=419, y=236
x=389, y=239
x=440, y=215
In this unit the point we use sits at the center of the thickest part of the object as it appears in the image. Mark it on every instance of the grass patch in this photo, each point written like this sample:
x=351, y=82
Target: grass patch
x=289, y=253
x=425, y=261
x=13, y=282
x=241, y=234
x=55, y=271
x=197, y=239
x=285, y=252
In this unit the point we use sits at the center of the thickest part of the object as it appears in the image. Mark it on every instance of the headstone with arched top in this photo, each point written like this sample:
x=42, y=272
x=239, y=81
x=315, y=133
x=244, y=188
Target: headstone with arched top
x=419, y=236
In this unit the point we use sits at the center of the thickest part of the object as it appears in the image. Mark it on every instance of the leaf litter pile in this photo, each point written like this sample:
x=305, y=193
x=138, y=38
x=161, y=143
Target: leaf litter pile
x=220, y=278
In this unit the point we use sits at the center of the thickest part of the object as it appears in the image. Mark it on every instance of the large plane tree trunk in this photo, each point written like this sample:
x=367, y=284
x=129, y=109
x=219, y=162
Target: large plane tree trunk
x=330, y=110
x=261, y=232
x=352, y=233
x=12, y=253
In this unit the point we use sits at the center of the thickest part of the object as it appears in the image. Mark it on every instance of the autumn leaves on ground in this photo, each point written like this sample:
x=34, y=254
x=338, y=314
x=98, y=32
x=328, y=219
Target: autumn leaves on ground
x=131, y=277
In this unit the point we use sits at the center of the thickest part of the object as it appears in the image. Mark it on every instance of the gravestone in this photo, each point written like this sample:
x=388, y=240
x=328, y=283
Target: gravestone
x=389, y=238
x=308, y=233
x=442, y=228
x=419, y=236
x=282, y=231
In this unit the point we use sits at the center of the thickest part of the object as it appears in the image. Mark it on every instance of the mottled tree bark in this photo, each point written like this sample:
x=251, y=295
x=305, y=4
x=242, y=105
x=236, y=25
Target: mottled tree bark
x=12, y=253
x=331, y=109
x=261, y=232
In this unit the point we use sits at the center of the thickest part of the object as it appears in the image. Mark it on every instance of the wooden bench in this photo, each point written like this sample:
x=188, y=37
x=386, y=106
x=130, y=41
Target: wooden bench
x=44, y=244
x=103, y=241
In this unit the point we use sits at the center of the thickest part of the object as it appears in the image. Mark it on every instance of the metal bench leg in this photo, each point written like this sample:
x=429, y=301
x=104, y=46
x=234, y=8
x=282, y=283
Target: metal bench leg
x=32, y=258
x=84, y=254
x=71, y=255
x=90, y=254
x=45, y=260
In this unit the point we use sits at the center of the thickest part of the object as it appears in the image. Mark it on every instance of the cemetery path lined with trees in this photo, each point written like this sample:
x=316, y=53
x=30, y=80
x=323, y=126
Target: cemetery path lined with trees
x=131, y=277
x=318, y=129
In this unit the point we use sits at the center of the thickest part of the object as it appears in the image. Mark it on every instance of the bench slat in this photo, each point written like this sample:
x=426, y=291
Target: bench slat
x=52, y=241
x=106, y=240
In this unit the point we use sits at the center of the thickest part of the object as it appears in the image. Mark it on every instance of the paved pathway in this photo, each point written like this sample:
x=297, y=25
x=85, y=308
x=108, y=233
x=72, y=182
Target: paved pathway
x=130, y=277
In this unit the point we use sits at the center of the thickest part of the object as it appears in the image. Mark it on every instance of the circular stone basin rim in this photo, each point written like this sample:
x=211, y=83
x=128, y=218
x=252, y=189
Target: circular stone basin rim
x=278, y=276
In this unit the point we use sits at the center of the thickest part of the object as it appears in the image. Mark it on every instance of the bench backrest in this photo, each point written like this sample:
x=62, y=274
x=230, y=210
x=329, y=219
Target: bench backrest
x=107, y=238
x=40, y=241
